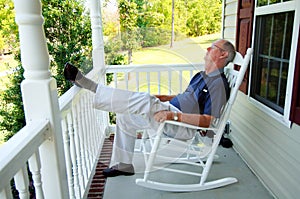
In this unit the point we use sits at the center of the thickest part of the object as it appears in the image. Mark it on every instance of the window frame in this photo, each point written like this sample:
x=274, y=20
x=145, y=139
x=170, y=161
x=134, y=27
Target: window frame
x=272, y=9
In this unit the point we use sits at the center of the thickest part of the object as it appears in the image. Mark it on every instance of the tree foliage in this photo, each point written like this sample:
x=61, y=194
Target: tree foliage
x=11, y=107
x=203, y=17
x=148, y=23
x=68, y=32
x=8, y=28
x=130, y=35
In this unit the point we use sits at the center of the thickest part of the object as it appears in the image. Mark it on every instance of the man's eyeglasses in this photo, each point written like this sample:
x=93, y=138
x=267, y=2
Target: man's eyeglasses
x=214, y=46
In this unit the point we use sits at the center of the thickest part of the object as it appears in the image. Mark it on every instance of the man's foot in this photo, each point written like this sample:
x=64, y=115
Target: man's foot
x=119, y=169
x=70, y=72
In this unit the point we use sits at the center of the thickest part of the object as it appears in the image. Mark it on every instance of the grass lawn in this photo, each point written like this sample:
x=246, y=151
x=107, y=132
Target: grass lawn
x=190, y=50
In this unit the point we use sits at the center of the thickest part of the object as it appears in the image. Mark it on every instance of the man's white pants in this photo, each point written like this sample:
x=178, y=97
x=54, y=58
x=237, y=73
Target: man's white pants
x=135, y=111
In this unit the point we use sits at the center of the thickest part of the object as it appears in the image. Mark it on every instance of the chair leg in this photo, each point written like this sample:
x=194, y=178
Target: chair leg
x=153, y=152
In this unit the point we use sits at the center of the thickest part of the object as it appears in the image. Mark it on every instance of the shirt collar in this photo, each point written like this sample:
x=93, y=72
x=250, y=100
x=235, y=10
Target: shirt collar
x=216, y=72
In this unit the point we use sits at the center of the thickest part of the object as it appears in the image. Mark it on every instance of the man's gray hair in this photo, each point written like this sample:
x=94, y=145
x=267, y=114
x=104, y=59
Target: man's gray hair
x=228, y=46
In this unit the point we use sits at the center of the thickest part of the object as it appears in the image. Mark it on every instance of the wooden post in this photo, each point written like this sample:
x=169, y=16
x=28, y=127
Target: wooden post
x=39, y=94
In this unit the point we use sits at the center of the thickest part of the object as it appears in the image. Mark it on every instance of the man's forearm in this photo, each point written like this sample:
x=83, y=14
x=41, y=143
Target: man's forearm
x=165, y=98
x=195, y=119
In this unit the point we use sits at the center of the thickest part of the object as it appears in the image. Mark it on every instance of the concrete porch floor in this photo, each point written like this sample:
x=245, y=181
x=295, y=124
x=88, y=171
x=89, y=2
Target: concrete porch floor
x=229, y=164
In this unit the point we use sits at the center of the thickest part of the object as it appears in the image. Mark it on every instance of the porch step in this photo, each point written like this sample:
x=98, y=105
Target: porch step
x=98, y=183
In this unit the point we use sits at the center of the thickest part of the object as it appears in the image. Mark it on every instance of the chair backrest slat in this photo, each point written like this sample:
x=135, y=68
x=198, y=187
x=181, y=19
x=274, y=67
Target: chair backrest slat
x=235, y=77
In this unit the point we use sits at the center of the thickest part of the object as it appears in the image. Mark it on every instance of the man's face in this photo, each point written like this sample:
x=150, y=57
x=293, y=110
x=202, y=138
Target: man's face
x=214, y=52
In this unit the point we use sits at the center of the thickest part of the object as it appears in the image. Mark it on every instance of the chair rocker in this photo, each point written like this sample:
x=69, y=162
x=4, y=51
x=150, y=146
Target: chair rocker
x=195, y=155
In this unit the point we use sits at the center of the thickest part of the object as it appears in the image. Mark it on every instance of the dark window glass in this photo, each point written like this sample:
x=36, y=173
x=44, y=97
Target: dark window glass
x=273, y=36
x=269, y=2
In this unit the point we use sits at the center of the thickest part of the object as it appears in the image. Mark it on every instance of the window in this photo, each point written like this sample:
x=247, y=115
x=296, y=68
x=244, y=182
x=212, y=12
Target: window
x=273, y=37
x=273, y=49
x=269, y=2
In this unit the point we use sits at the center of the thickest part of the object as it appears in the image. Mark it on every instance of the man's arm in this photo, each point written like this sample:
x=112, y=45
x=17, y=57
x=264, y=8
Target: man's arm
x=193, y=119
x=165, y=98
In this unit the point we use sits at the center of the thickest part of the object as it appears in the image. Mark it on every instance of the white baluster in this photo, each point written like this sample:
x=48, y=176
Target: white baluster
x=22, y=183
x=180, y=81
x=169, y=82
x=85, y=135
x=68, y=157
x=6, y=193
x=78, y=150
x=86, y=132
x=90, y=124
x=159, y=82
x=82, y=142
x=94, y=133
x=137, y=84
x=73, y=155
x=35, y=168
x=96, y=128
x=116, y=80
x=148, y=81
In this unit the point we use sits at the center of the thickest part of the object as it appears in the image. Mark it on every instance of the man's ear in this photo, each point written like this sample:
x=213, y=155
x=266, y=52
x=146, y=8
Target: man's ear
x=224, y=54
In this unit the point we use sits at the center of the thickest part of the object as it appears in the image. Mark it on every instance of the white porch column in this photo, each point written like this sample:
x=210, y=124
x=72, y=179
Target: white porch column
x=97, y=37
x=39, y=94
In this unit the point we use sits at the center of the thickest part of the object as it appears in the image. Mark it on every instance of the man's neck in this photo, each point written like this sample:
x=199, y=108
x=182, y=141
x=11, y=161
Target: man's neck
x=213, y=67
x=215, y=72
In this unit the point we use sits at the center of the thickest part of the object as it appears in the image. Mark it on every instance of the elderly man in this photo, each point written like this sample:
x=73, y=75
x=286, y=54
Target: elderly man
x=199, y=104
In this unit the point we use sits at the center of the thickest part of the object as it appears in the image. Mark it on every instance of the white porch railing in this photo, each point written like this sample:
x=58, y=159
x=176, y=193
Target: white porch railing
x=20, y=149
x=83, y=134
x=155, y=79
x=61, y=141
x=83, y=130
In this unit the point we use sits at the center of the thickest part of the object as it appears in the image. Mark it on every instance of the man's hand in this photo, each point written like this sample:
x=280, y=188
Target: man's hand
x=162, y=116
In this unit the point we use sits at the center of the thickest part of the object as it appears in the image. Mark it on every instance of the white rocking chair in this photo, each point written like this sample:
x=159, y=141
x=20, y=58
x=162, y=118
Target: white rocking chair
x=196, y=156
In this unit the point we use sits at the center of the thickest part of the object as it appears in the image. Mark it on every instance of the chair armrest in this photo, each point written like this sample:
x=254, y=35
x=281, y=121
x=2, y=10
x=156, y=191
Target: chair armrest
x=188, y=125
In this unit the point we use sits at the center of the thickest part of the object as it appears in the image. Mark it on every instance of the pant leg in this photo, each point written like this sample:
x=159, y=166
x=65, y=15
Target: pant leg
x=125, y=136
x=127, y=102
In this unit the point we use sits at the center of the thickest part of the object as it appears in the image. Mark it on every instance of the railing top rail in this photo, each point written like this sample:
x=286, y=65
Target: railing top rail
x=17, y=150
x=153, y=67
x=66, y=99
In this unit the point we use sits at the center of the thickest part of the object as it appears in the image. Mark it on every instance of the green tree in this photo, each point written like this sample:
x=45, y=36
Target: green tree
x=130, y=35
x=204, y=17
x=68, y=33
x=8, y=27
x=150, y=23
x=11, y=107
